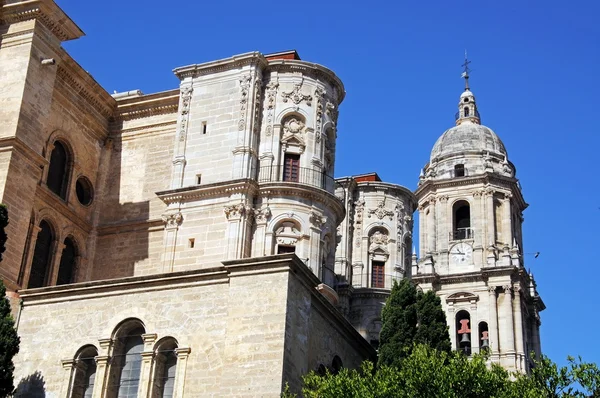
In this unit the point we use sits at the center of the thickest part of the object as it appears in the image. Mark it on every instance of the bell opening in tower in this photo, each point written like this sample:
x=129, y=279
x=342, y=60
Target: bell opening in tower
x=463, y=332
x=462, y=221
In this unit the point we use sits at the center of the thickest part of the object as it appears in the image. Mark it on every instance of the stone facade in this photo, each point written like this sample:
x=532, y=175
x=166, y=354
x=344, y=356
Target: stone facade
x=156, y=226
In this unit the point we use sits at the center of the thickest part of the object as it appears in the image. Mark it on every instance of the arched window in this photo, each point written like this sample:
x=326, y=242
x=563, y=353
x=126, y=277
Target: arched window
x=165, y=367
x=466, y=111
x=84, y=373
x=336, y=365
x=67, y=263
x=459, y=170
x=58, y=170
x=287, y=235
x=484, y=337
x=42, y=257
x=462, y=220
x=463, y=332
x=378, y=253
x=127, y=362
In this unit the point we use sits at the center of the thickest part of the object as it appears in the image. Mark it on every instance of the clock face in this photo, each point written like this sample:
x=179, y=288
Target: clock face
x=461, y=253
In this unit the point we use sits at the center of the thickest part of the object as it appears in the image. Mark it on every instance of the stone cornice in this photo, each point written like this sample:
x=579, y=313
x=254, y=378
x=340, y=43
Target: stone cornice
x=129, y=226
x=45, y=11
x=361, y=292
x=508, y=183
x=84, y=85
x=179, y=195
x=221, y=65
x=31, y=156
x=388, y=187
x=116, y=287
x=147, y=105
x=477, y=276
x=316, y=71
x=304, y=191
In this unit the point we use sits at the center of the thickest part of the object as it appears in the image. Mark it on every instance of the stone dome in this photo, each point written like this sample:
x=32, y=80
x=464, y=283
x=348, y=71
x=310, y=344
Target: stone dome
x=467, y=137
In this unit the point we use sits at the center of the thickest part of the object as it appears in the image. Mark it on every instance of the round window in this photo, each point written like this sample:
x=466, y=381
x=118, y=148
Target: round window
x=84, y=190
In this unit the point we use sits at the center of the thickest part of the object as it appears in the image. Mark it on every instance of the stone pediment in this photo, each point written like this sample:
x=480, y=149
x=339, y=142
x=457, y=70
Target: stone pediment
x=462, y=297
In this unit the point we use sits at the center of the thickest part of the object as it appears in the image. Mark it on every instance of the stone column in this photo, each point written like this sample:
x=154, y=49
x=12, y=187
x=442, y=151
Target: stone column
x=261, y=217
x=507, y=220
x=182, y=129
x=493, y=323
x=422, y=231
x=452, y=325
x=55, y=264
x=146, y=371
x=431, y=227
x=26, y=267
x=237, y=229
x=172, y=219
x=507, y=329
x=182, y=357
x=474, y=327
x=518, y=319
x=442, y=217
x=491, y=228
x=102, y=371
x=244, y=152
x=69, y=366
x=537, y=347
x=477, y=217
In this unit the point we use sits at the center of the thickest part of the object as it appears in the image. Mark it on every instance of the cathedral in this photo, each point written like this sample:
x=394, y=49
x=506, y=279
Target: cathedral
x=194, y=242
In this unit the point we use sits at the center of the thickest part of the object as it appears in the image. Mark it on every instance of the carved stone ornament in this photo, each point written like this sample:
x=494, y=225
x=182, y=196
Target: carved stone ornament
x=507, y=289
x=492, y=290
x=236, y=211
x=379, y=241
x=331, y=111
x=172, y=220
x=288, y=234
x=257, y=103
x=380, y=211
x=244, y=88
x=316, y=219
x=262, y=215
x=271, y=92
x=296, y=96
x=186, y=99
x=293, y=126
x=379, y=238
x=358, y=209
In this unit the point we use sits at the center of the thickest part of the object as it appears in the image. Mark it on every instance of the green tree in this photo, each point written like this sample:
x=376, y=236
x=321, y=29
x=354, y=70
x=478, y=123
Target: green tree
x=410, y=317
x=431, y=373
x=432, y=327
x=399, y=323
x=9, y=344
x=9, y=341
x=3, y=224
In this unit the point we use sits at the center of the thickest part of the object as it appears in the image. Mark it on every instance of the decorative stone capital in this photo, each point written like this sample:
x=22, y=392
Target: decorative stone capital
x=442, y=198
x=236, y=212
x=492, y=290
x=507, y=289
x=317, y=220
x=262, y=215
x=68, y=363
x=172, y=219
x=182, y=353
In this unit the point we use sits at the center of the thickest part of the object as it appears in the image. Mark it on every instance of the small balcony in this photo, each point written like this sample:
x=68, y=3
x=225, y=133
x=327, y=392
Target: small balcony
x=297, y=175
x=462, y=234
x=457, y=115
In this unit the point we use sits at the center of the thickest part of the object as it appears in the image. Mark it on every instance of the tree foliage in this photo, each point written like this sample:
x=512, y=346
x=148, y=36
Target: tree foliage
x=9, y=341
x=3, y=224
x=427, y=372
x=9, y=344
x=410, y=317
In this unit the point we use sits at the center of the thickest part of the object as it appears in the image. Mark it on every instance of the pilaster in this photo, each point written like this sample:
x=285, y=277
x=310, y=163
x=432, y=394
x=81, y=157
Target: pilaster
x=146, y=370
x=182, y=358
x=493, y=323
x=518, y=319
x=179, y=159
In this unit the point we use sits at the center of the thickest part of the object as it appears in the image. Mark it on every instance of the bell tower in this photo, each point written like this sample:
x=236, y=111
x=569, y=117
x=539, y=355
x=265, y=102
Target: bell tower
x=470, y=241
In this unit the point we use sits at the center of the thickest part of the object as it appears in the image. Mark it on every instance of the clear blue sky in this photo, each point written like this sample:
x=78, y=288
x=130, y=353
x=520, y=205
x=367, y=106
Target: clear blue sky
x=536, y=67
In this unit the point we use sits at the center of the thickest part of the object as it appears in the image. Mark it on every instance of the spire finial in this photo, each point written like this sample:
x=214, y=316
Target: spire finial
x=466, y=70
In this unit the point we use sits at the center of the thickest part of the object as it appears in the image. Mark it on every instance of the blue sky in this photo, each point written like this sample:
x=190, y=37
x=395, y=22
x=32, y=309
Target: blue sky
x=535, y=75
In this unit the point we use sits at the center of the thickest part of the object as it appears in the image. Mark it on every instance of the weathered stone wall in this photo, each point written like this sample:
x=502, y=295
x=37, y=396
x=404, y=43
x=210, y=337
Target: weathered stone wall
x=243, y=324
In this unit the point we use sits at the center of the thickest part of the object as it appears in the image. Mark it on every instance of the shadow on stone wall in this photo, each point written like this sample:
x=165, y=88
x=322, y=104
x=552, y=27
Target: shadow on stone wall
x=31, y=386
